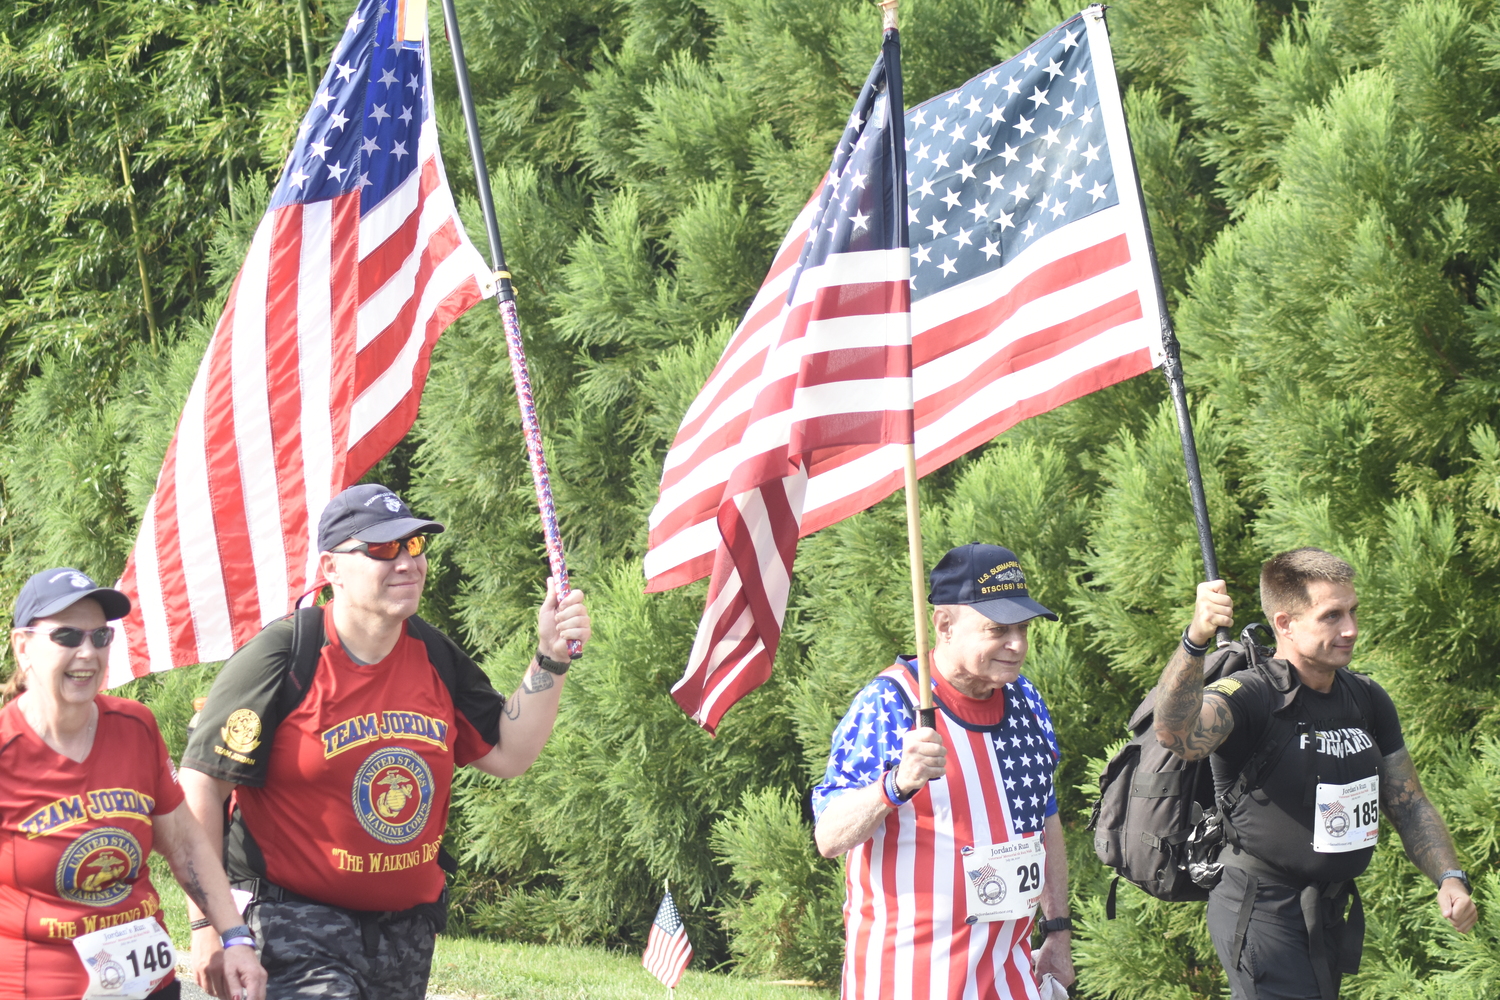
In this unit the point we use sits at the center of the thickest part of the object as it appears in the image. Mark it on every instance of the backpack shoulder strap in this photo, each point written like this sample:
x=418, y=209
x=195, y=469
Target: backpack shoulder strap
x=308, y=640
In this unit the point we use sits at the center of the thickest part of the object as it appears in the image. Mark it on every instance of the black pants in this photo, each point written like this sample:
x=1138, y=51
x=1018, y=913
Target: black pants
x=1275, y=962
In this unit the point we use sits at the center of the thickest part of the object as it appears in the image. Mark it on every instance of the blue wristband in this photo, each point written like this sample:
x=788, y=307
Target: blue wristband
x=893, y=796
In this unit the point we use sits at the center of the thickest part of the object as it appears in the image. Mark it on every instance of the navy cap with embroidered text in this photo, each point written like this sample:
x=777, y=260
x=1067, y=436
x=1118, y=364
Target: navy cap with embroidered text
x=988, y=579
x=369, y=513
x=52, y=590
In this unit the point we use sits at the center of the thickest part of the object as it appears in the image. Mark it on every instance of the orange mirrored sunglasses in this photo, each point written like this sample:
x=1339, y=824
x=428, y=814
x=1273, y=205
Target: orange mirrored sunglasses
x=415, y=545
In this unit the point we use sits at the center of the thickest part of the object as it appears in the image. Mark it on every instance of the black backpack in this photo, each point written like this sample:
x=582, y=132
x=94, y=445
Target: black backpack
x=1152, y=801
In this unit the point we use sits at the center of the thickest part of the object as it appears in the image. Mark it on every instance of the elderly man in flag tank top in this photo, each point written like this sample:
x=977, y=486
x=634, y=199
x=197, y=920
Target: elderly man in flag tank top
x=944, y=876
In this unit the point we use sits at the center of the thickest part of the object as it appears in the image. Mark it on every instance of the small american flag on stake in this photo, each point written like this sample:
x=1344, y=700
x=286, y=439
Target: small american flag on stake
x=1031, y=283
x=668, y=950
x=318, y=362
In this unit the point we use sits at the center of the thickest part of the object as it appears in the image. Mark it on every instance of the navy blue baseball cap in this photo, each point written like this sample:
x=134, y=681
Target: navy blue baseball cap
x=369, y=513
x=52, y=590
x=988, y=579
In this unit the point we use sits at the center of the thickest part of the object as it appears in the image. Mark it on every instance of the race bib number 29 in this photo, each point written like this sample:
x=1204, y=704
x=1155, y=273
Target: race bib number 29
x=1348, y=816
x=126, y=962
x=1004, y=881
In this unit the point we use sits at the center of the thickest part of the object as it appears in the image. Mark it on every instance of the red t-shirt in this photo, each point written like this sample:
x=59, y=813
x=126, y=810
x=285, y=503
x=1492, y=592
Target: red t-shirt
x=358, y=780
x=74, y=839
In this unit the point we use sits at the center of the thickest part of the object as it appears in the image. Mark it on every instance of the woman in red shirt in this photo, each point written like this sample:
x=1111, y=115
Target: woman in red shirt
x=86, y=792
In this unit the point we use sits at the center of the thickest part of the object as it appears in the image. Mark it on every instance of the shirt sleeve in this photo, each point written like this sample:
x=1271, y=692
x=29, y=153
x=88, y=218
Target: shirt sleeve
x=232, y=741
x=476, y=704
x=1039, y=709
x=866, y=742
x=1387, y=723
x=168, y=792
x=1245, y=692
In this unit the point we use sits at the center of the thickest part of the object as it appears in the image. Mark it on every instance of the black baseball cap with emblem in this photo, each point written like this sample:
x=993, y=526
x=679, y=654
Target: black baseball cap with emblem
x=52, y=590
x=369, y=513
x=988, y=578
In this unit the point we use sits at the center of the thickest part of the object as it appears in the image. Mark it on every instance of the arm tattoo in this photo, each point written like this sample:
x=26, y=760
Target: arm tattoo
x=1189, y=723
x=512, y=709
x=1416, y=819
x=194, y=888
x=537, y=681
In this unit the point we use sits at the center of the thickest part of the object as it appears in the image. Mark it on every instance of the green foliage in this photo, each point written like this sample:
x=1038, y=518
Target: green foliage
x=1321, y=187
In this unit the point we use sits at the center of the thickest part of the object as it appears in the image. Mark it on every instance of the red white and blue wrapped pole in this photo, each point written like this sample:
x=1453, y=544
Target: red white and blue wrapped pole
x=506, y=298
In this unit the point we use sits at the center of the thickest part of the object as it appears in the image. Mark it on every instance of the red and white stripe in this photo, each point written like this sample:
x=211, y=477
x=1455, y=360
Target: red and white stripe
x=314, y=372
x=905, y=936
x=1077, y=311
x=667, y=955
x=826, y=370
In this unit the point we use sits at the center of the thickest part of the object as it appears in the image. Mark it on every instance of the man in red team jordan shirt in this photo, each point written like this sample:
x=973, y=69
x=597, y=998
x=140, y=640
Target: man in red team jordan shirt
x=338, y=809
x=944, y=877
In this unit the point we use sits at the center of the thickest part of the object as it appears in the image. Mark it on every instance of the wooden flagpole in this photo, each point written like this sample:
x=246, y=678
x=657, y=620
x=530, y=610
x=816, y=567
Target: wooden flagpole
x=890, y=28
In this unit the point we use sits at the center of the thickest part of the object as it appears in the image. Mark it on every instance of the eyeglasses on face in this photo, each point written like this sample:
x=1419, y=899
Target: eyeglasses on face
x=415, y=545
x=72, y=638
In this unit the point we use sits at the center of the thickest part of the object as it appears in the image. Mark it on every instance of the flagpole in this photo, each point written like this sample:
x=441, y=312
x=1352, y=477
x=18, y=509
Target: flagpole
x=510, y=319
x=1171, y=367
x=891, y=30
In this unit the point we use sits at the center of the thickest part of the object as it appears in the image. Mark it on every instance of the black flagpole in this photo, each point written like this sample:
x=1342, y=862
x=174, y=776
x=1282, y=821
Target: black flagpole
x=506, y=299
x=1171, y=367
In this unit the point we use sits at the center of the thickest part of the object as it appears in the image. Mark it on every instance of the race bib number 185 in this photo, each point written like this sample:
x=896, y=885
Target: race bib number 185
x=1348, y=816
x=126, y=962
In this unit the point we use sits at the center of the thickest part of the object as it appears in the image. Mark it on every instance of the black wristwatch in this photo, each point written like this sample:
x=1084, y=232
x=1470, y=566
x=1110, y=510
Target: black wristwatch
x=1462, y=876
x=558, y=667
x=1055, y=924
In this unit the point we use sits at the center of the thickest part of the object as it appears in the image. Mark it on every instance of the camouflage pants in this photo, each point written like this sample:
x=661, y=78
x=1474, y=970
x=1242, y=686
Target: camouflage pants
x=314, y=951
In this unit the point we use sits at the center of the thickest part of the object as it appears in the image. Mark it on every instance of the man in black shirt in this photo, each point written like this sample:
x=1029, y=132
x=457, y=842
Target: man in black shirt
x=1334, y=759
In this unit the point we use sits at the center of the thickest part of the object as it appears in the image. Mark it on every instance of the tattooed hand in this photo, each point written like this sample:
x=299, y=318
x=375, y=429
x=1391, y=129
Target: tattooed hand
x=1189, y=723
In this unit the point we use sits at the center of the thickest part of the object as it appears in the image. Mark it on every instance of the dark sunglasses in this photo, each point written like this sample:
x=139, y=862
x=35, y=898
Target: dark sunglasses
x=72, y=638
x=386, y=551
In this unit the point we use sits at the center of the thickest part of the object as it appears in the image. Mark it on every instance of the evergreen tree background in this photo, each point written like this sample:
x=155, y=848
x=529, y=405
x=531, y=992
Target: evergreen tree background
x=1322, y=187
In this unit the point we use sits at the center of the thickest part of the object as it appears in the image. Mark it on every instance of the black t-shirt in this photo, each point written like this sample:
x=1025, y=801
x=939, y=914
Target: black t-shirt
x=1341, y=737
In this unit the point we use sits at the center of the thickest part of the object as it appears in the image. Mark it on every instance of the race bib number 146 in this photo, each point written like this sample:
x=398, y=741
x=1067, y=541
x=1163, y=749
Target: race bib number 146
x=126, y=962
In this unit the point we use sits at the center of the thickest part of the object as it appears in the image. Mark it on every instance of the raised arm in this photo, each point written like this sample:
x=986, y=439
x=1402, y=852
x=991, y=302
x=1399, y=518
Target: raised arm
x=532, y=711
x=1188, y=722
x=1424, y=835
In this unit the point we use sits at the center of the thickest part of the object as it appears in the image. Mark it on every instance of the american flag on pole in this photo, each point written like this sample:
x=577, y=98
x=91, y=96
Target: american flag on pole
x=822, y=363
x=668, y=950
x=318, y=362
x=1032, y=284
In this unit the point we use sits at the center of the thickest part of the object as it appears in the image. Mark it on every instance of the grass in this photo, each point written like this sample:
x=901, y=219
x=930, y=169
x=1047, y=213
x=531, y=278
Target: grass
x=480, y=969
x=494, y=970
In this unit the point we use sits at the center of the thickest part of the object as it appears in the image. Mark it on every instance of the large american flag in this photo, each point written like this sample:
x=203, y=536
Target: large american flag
x=317, y=364
x=668, y=950
x=1032, y=283
x=821, y=363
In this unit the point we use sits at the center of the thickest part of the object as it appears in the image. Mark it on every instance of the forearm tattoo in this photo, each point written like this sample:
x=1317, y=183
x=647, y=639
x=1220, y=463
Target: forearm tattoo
x=193, y=887
x=1424, y=835
x=538, y=681
x=1189, y=722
